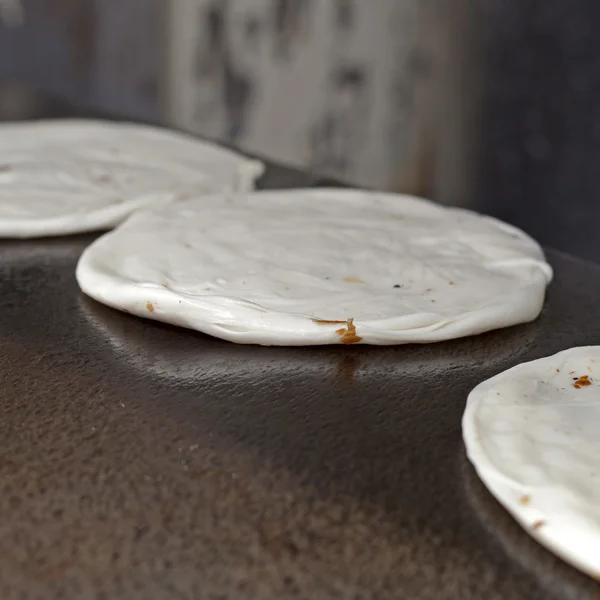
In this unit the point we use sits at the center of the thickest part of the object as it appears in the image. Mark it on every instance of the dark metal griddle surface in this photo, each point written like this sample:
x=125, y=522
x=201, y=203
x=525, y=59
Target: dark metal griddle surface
x=139, y=461
x=143, y=461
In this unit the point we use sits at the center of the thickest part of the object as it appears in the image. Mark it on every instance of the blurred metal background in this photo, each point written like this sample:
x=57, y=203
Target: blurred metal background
x=538, y=158
x=494, y=104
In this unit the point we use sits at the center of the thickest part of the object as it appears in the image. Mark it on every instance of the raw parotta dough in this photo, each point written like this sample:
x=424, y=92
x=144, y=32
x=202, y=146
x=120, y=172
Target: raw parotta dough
x=532, y=436
x=63, y=177
x=309, y=267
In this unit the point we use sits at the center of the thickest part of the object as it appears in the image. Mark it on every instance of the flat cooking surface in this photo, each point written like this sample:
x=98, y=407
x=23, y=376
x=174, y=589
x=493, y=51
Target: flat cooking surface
x=149, y=462
x=139, y=461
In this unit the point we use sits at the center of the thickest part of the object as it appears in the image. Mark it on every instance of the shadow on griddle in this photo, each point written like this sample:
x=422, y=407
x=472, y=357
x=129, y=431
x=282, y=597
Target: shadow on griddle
x=355, y=420
x=183, y=356
x=381, y=424
x=50, y=247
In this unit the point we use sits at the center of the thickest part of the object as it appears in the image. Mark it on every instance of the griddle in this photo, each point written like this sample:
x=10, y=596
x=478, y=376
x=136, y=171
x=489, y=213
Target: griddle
x=141, y=461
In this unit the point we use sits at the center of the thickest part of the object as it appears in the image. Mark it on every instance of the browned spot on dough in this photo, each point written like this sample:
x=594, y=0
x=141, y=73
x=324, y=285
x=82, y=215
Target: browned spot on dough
x=538, y=524
x=348, y=333
x=525, y=500
x=150, y=306
x=326, y=322
x=451, y=283
x=5, y=169
x=429, y=290
x=166, y=285
x=558, y=370
x=353, y=280
x=583, y=381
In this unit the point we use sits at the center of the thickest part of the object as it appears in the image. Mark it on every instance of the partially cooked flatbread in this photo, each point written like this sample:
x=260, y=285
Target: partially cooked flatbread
x=62, y=177
x=532, y=436
x=310, y=267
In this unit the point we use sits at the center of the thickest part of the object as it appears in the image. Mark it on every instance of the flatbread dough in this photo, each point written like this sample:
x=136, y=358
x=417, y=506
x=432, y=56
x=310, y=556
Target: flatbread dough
x=532, y=436
x=307, y=267
x=72, y=176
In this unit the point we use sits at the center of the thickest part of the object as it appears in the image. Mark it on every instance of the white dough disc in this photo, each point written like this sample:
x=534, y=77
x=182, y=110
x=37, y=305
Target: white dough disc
x=532, y=434
x=308, y=267
x=72, y=176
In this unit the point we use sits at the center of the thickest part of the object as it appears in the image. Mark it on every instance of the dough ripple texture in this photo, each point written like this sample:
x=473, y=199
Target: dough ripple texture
x=320, y=266
x=61, y=177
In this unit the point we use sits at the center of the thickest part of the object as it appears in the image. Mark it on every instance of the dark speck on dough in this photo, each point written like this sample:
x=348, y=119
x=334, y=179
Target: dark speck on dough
x=397, y=286
x=582, y=381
